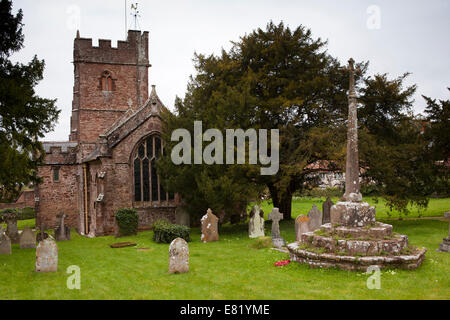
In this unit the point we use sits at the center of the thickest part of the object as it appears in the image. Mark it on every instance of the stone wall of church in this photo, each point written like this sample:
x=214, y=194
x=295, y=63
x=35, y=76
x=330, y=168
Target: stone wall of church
x=118, y=181
x=57, y=196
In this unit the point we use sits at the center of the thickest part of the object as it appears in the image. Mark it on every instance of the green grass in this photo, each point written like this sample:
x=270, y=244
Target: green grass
x=227, y=269
x=436, y=207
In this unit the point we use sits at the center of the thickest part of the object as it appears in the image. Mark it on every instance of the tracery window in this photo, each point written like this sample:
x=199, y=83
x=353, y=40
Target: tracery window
x=147, y=184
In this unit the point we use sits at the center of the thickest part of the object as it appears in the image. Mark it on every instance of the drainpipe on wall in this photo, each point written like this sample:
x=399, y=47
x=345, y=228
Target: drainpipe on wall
x=86, y=222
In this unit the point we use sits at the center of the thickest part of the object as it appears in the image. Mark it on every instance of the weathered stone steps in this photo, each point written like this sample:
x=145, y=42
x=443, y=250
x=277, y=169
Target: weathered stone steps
x=331, y=260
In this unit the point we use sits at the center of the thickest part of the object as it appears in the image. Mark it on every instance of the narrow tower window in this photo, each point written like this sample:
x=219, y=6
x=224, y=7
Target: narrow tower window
x=106, y=81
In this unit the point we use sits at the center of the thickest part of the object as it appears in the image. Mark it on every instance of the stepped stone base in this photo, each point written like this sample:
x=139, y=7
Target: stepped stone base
x=354, y=263
x=353, y=247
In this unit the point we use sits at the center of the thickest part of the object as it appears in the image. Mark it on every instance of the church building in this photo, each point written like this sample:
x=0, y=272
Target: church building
x=109, y=160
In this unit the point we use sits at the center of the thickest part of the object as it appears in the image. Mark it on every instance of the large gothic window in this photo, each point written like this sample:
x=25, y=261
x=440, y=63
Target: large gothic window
x=147, y=185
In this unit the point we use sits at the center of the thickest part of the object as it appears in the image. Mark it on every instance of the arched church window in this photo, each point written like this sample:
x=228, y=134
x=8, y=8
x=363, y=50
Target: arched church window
x=107, y=81
x=147, y=183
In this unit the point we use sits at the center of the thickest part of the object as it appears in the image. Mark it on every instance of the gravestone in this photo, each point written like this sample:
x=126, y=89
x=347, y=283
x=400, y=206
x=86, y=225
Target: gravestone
x=301, y=226
x=47, y=256
x=209, y=227
x=5, y=242
x=27, y=239
x=11, y=227
x=62, y=232
x=276, y=216
x=315, y=218
x=182, y=217
x=256, y=222
x=445, y=245
x=326, y=206
x=42, y=235
x=178, y=256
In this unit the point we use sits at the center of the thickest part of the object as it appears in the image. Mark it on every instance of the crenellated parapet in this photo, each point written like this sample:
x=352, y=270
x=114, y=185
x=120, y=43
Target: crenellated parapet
x=133, y=51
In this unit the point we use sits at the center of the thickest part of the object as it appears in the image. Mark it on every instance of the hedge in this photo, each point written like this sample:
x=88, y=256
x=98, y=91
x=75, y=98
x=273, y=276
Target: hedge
x=127, y=220
x=23, y=214
x=165, y=232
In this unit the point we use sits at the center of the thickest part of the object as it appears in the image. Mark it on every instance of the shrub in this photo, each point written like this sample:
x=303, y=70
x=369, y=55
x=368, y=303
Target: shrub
x=127, y=220
x=165, y=232
x=27, y=213
x=8, y=211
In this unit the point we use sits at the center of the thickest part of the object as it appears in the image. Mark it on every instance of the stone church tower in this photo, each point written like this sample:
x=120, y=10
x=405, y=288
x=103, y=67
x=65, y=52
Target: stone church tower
x=114, y=142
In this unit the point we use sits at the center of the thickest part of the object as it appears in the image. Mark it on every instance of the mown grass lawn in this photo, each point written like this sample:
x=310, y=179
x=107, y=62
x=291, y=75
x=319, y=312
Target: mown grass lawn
x=227, y=269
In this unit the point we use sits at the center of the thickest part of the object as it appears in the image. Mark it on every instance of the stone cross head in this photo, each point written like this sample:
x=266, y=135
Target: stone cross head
x=275, y=215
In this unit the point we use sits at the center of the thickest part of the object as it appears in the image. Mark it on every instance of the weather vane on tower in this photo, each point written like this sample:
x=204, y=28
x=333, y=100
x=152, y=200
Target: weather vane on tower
x=135, y=14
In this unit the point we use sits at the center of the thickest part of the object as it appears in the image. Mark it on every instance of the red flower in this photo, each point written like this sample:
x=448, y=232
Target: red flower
x=282, y=263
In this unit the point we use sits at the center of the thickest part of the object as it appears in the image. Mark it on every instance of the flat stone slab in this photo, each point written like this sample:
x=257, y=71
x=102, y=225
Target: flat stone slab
x=354, y=263
x=123, y=244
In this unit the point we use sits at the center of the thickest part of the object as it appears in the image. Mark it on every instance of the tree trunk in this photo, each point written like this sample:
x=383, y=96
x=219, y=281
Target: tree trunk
x=284, y=203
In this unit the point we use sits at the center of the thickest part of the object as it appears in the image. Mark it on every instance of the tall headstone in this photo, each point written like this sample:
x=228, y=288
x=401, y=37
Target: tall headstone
x=11, y=227
x=62, y=232
x=326, y=206
x=209, y=227
x=301, y=226
x=5, y=242
x=445, y=245
x=276, y=216
x=27, y=239
x=178, y=256
x=47, y=256
x=182, y=217
x=256, y=222
x=315, y=218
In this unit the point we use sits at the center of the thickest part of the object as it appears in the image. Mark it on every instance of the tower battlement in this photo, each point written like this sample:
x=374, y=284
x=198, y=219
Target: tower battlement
x=107, y=82
x=132, y=51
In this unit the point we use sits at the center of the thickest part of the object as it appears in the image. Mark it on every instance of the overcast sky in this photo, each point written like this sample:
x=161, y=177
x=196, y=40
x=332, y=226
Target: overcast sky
x=395, y=36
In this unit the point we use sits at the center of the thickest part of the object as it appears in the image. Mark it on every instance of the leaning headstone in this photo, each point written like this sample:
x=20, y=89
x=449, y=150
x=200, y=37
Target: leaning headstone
x=445, y=245
x=27, y=239
x=301, y=226
x=178, y=256
x=182, y=217
x=276, y=216
x=209, y=227
x=256, y=223
x=315, y=217
x=11, y=227
x=326, y=206
x=47, y=256
x=5, y=242
x=62, y=232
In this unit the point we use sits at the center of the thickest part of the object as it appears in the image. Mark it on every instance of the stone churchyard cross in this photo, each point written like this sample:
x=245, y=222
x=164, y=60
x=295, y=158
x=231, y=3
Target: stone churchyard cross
x=351, y=211
x=352, y=192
